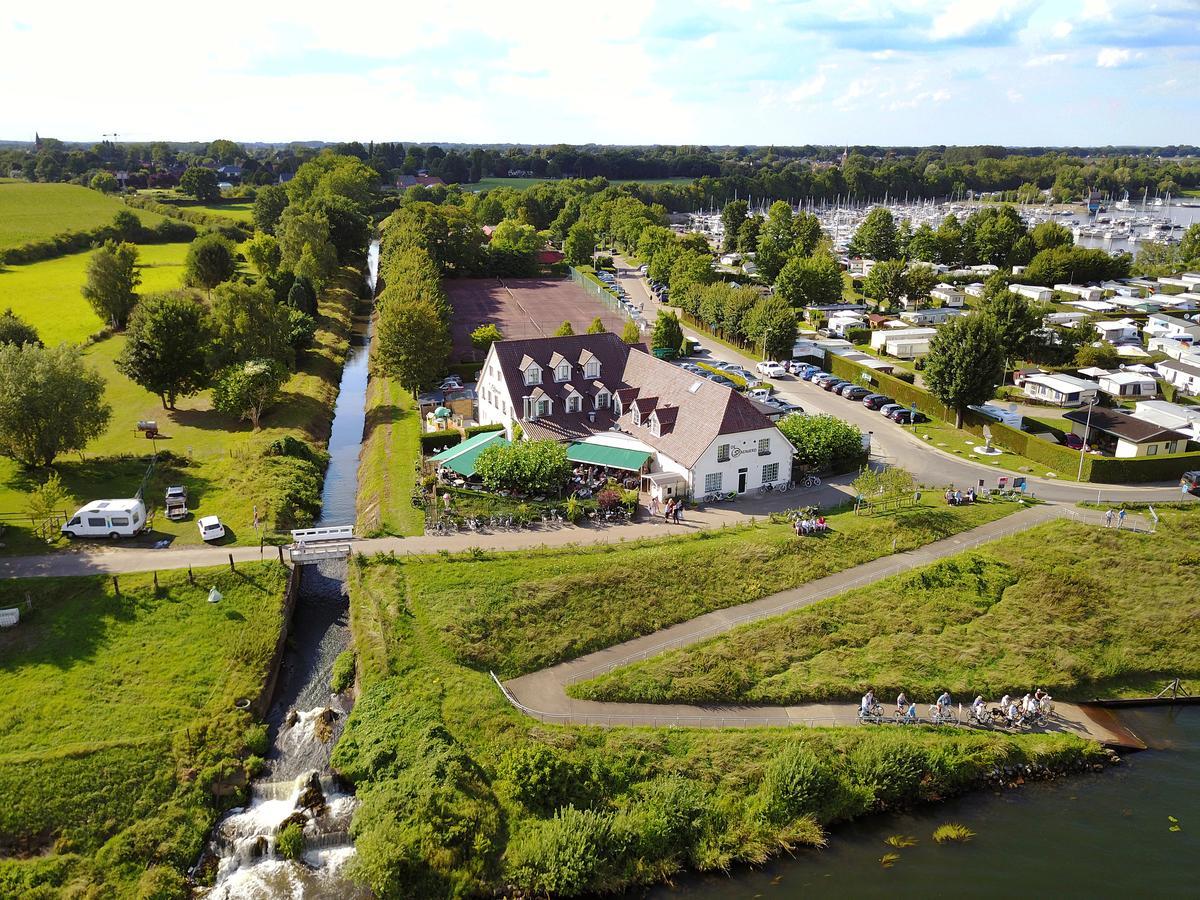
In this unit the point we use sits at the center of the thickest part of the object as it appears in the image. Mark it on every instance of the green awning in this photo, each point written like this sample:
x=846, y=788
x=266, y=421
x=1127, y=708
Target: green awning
x=612, y=457
x=461, y=457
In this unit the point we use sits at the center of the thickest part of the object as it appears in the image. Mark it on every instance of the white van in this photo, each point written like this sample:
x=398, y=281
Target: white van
x=107, y=518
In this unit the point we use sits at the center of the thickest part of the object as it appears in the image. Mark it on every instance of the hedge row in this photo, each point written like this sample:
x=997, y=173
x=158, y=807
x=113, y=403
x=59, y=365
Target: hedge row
x=234, y=229
x=1098, y=469
x=482, y=429
x=166, y=232
x=437, y=441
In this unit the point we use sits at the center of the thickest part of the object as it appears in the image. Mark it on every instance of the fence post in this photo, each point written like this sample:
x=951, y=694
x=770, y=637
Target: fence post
x=156, y=582
x=191, y=577
x=116, y=586
x=231, y=568
x=279, y=547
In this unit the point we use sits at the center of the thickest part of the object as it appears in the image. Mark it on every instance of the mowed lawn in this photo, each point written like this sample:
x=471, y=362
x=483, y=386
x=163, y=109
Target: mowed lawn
x=518, y=612
x=31, y=212
x=1079, y=610
x=47, y=294
x=117, y=702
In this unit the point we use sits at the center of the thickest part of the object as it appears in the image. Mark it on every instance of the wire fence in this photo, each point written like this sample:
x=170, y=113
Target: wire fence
x=600, y=293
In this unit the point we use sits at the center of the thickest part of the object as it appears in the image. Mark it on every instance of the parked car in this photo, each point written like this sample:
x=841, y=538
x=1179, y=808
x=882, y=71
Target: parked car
x=107, y=518
x=908, y=417
x=1191, y=481
x=856, y=393
x=816, y=375
x=770, y=369
x=691, y=367
x=211, y=528
x=451, y=383
x=875, y=401
x=803, y=370
x=783, y=405
x=830, y=383
x=888, y=408
x=176, y=502
x=722, y=380
x=759, y=393
x=845, y=387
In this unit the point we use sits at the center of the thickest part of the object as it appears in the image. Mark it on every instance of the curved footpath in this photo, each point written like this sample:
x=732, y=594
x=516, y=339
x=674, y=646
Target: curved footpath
x=542, y=695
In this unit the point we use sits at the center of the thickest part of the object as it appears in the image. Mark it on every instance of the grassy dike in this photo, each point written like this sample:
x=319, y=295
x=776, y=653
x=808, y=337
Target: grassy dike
x=1079, y=610
x=387, y=468
x=120, y=740
x=463, y=796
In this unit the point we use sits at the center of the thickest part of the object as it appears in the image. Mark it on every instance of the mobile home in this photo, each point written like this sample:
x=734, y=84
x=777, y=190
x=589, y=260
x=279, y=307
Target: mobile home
x=108, y=518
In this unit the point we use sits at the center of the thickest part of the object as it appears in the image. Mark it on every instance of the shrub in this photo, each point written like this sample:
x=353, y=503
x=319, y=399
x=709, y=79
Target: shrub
x=823, y=441
x=560, y=856
x=161, y=883
x=795, y=784
x=544, y=780
x=290, y=841
x=483, y=429
x=343, y=672
x=530, y=466
x=608, y=499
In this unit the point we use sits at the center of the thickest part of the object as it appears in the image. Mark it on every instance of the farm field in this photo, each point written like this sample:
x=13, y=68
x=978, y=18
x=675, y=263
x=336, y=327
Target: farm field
x=126, y=716
x=31, y=212
x=216, y=457
x=241, y=210
x=1038, y=608
x=46, y=294
x=522, y=308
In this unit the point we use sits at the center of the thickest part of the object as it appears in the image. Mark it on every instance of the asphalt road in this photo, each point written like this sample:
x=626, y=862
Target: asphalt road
x=892, y=444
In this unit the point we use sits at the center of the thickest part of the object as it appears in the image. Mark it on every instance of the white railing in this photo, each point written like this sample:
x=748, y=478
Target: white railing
x=694, y=637
x=324, y=533
x=305, y=553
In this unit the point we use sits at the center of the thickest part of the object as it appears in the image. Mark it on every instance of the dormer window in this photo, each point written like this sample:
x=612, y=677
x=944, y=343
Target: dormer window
x=574, y=403
x=602, y=400
x=563, y=372
x=635, y=415
x=533, y=375
x=592, y=369
x=655, y=428
x=543, y=407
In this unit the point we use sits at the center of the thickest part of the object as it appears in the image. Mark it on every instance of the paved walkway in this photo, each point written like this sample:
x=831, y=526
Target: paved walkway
x=542, y=694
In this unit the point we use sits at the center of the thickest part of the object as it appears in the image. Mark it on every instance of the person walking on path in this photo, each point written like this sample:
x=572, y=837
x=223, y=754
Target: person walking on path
x=667, y=511
x=653, y=507
x=677, y=512
x=1121, y=519
x=1108, y=519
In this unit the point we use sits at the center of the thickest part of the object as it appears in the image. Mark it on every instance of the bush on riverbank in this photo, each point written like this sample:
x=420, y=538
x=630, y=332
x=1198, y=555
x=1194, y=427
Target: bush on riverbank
x=1078, y=610
x=463, y=796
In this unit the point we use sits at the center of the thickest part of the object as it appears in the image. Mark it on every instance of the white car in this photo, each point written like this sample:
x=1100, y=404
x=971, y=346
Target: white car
x=770, y=369
x=211, y=528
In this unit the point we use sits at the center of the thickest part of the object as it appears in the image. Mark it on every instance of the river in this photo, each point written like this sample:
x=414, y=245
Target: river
x=1106, y=834
x=305, y=718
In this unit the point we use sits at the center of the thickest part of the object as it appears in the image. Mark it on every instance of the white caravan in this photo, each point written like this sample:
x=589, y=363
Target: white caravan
x=108, y=518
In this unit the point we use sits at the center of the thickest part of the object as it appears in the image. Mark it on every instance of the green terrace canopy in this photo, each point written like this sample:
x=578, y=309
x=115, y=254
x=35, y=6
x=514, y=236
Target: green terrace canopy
x=461, y=457
x=612, y=457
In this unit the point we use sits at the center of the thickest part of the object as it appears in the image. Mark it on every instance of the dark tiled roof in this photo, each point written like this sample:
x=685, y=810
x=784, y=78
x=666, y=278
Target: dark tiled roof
x=1123, y=425
x=515, y=356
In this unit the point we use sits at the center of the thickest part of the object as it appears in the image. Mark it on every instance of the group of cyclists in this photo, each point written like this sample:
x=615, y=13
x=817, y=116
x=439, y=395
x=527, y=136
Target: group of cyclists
x=1012, y=712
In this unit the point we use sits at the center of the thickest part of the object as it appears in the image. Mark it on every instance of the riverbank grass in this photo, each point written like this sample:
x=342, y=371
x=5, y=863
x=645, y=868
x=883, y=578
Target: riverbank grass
x=1079, y=610
x=122, y=718
x=461, y=795
x=391, y=454
x=519, y=612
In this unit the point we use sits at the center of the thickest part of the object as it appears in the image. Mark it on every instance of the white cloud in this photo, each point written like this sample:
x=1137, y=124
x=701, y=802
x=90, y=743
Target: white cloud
x=1062, y=29
x=1015, y=96
x=1114, y=57
x=1049, y=59
x=962, y=17
x=810, y=88
x=924, y=98
x=1097, y=9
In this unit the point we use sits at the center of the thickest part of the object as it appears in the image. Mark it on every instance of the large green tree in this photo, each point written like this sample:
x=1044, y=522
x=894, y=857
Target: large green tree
x=248, y=323
x=246, y=389
x=50, y=402
x=516, y=236
x=876, y=238
x=776, y=240
x=15, y=330
x=810, y=281
x=166, y=348
x=305, y=246
x=667, y=333
x=732, y=217
x=823, y=442
x=211, y=259
x=771, y=324
x=269, y=204
x=200, y=183
x=262, y=251
x=965, y=363
x=531, y=466
x=886, y=283
x=1015, y=319
x=112, y=280
x=412, y=341
x=579, y=244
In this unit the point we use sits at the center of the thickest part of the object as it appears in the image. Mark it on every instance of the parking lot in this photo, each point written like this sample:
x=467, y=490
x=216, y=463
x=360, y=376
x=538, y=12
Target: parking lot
x=522, y=308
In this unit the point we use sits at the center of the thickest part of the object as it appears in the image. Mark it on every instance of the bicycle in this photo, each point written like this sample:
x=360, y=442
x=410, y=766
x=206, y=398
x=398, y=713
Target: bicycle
x=871, y=716
x=810, y=481
x=783, y=487
x=939, y=716
x=766, y=488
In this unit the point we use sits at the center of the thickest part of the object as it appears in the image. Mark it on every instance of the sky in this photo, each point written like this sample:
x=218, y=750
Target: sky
x=908, y=72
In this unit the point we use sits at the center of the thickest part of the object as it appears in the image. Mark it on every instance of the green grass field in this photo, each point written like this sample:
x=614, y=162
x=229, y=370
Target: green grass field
x=31, y=212
x=464, y=796
x=1079, y=610
x=945, y=436
x=516, y=613
x=123, y=715
x=237, y=209
x=220, y=455
x=46, y=294
x=387, y=462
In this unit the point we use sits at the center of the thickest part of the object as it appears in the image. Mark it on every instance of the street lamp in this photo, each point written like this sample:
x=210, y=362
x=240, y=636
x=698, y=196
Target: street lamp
x=1083, y=448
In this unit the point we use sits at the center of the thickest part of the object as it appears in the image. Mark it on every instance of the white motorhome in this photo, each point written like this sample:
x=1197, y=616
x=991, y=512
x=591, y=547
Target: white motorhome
x=108, y=518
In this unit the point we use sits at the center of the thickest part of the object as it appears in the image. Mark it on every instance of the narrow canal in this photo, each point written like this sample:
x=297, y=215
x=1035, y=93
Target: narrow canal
x=1107, y=834
x=306, y=718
